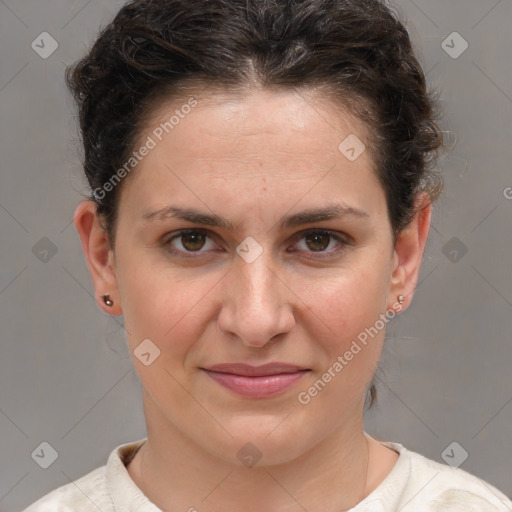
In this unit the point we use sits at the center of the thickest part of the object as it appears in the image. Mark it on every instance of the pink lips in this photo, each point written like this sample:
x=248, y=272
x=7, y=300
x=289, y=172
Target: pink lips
x=256, y=381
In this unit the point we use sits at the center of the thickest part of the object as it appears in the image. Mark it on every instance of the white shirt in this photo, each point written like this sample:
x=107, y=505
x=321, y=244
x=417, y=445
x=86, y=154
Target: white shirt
x=415, y=484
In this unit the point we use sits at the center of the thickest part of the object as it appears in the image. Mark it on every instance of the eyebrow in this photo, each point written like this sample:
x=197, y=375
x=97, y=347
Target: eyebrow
x=333, y=211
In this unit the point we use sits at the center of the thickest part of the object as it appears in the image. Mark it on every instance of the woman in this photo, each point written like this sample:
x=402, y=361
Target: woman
x=261, y=197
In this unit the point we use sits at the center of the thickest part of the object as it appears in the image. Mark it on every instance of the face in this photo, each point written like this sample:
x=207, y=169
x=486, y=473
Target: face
x=245, y=236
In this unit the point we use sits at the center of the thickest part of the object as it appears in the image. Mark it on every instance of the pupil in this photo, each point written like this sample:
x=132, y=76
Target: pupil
x=316, y=239
x=193, y=241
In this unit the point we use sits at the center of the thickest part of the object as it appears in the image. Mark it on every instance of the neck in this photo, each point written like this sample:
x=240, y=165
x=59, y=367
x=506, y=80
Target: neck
x=175, y=473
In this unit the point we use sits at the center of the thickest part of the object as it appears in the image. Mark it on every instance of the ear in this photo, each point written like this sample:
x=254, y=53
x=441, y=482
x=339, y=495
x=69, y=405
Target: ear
x=408, y=253
x=98, y=255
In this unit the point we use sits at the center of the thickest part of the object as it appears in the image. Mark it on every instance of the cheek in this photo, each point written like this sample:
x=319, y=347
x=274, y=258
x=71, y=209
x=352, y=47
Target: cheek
x=347, y=302
x=172, y=317
x=350, y=333
x=351, y=347
x=168, y=309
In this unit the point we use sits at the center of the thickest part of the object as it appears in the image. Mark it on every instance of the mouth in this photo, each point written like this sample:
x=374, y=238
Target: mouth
x=256, y=381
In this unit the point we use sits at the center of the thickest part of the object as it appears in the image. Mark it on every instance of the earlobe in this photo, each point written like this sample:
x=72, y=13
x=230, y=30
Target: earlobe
x=98, y=256
x=408, y=253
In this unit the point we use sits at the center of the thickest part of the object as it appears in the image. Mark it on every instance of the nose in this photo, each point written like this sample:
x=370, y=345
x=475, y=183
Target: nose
x=257, y=304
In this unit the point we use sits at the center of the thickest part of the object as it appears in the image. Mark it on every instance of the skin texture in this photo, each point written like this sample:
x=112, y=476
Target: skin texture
x=253, y=159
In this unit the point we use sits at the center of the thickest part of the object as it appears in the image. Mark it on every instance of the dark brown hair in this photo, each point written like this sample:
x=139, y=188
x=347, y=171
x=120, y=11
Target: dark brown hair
x=355, y=52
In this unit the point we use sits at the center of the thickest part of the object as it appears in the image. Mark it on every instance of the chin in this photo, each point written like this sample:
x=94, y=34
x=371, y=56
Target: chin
x=264, y=440
x=259, y=452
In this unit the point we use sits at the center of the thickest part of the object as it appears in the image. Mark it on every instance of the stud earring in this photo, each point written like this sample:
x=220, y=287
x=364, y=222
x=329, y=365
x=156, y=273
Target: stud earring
x=107, y=300
x=401, y=299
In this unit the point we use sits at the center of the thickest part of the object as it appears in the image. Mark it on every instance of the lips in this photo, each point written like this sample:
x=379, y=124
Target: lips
x=256, y=381
x=256, y=371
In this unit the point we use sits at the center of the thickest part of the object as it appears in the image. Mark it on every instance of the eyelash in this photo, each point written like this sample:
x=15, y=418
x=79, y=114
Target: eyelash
x=342, y=241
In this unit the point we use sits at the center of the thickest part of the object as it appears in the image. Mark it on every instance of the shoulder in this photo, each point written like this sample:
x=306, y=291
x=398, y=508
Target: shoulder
x=85, y=494
x=436, y=487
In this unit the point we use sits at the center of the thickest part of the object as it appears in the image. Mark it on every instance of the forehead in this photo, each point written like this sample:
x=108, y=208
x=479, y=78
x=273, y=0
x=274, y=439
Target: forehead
x=289, y=120
x=229, y=144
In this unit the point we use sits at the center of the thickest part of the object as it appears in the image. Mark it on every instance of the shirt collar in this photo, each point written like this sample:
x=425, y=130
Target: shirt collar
x=127, y=497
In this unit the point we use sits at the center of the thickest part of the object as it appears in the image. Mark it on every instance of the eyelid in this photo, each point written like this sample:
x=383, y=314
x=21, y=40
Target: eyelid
x=342, y=239
x=166, y=241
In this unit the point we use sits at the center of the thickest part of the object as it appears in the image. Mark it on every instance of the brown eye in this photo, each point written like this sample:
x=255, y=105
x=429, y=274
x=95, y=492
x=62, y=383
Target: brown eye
x=193, y=241
x=189, y=241
x=318, y=241
x=322, y=243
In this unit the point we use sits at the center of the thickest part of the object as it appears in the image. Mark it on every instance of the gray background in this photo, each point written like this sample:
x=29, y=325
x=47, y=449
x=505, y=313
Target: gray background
x=66, y=376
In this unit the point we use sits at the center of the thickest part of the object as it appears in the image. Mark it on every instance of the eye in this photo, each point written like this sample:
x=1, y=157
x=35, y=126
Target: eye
x=318, y=241
x=188, y=241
